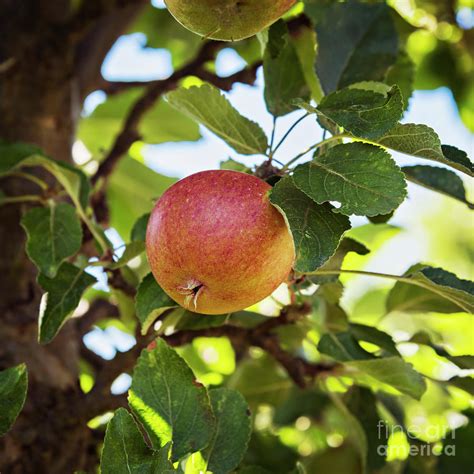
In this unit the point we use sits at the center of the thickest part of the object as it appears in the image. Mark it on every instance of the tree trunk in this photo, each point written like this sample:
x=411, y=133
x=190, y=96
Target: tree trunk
x=41, y=92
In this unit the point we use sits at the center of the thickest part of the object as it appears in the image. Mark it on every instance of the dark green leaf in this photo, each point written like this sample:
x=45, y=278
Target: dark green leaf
x=364, y=113
x=125, y=450
x=138, y=232
x=361, y=402
x=268, y=452
x=440, y=180
x=64, y=292
x=431, y=289
x=13, y=388
x=423, y=142
x=402, y=74
x=284, y=78
x=208, y=106
x=356, y=42
x=456, y=456
x=374, y=336
x=171, y=405
x=393, y=371
x=151, y=301
x=362, y=177
x=307, y=402
x=343, y=347
x=54, y=233
x=316, y=229
x=457, y=158
x=233, y=429
x=464, y=383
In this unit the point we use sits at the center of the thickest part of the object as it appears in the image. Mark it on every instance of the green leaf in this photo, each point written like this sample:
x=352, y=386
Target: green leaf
x=273, y=384
x=343, y=347
x=233, y=429
x=426, y=288
x=458, y=457
x=361, y=403
x=316, y=229
x=305, y=47
x=364, y=113
x=458, y=159
x=393, y=370
x=362, y=177
x=54, y=233
x=374, y=336
x=208, y=106
x=125, y=450
x=356, y=42
x=64, y=292
x=171, y=405
x=463, y=383
x=138, y=232
x=13, y=388
x=462, y=361
x=73, y=180
x=131, y=191
x=233, y=165
x=300, y=402
x=335, y=262
x=151, y=301
x=423, y=142
x=440, y=180
x=284, y=78
x=161, y=124
x=402, y=74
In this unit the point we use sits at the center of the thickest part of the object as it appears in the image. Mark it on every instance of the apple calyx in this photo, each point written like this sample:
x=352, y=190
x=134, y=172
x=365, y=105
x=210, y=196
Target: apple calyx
x=191, y=290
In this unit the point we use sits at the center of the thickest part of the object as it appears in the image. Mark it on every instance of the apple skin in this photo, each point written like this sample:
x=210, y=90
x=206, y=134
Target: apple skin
x=227, y=20
x=215, y=243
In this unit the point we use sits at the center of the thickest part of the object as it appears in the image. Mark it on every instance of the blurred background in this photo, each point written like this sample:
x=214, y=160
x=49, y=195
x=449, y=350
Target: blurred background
x=427, y=227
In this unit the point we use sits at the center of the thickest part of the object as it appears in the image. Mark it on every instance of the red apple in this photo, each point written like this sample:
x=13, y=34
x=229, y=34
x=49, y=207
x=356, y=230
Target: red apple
x=227, y=20
x=216, y=244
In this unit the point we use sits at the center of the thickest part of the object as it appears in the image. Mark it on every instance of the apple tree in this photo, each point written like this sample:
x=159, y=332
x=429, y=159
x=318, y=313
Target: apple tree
x=317, y=378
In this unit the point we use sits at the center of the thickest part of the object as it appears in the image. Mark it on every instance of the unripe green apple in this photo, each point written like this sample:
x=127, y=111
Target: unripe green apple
x=227, y=20
x=215, y=243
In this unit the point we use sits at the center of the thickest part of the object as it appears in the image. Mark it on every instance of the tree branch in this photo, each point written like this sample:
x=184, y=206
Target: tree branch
x=298, y=369
x=129, y=133
x=247, y=75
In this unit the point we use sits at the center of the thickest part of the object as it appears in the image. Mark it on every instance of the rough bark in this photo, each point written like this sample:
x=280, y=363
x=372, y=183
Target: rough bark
x=45, y=68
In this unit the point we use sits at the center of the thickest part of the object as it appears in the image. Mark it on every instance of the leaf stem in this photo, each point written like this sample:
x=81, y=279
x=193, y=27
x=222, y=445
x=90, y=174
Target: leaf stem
x=313, y=147
x=272, y=139
x=16, y=199
x=286, y=135
x=403, y=279
x=21, y=174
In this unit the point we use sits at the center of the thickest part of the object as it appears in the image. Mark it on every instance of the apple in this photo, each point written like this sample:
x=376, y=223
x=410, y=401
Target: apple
x=227, y=20
x=216, y=244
